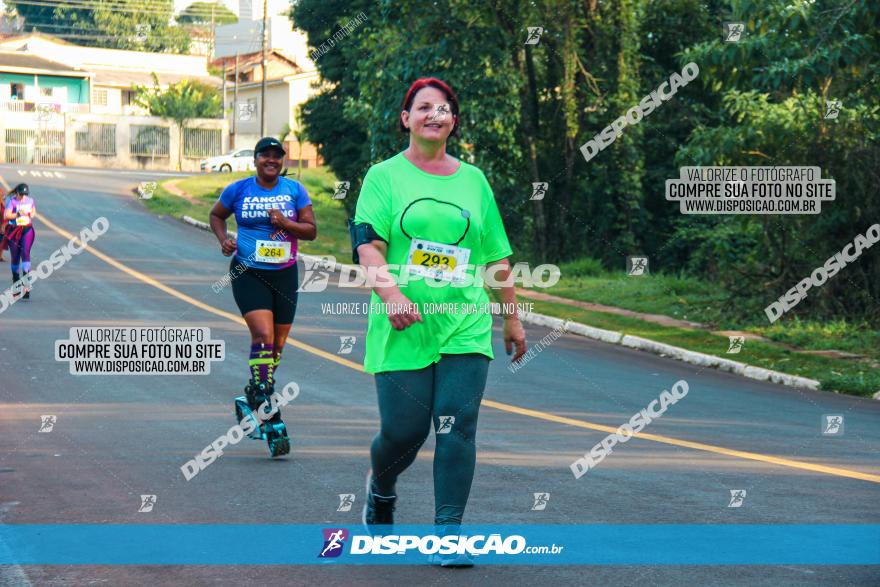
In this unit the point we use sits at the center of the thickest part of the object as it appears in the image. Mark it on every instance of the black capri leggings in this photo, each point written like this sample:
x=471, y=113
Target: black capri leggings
x=445, y=396
x=266, y=289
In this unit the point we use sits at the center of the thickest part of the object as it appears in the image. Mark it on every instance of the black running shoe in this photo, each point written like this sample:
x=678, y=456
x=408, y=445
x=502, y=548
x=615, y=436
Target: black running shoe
x=378, y=509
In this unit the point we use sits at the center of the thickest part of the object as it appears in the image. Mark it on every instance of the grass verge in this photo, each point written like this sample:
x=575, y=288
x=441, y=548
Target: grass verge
x=844, y=375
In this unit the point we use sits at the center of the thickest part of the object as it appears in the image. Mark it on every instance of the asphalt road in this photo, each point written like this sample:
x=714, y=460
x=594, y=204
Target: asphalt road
x=118, y=437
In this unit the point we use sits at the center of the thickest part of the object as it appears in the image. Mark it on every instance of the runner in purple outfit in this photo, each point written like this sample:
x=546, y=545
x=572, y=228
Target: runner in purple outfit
x=20, y=212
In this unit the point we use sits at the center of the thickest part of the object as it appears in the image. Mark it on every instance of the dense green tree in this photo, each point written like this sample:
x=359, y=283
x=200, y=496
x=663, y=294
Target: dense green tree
x=527, y=109
x=774, y=85
x=142, y=25
x=663, y=38
x=328, y=118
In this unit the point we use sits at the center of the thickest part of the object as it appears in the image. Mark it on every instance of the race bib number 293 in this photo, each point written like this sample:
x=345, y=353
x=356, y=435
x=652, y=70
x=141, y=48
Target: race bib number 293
x=437, y=260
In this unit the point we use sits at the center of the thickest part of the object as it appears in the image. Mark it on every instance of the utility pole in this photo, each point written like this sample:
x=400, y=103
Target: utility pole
x=211, y=56
x=263, y=85
x=234, y=103
x=213, y=32
x=224, y=90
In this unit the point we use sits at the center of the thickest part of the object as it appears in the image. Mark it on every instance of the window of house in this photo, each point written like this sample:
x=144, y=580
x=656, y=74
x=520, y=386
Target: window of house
x=16, y=91
x=47, y=92
x=100, y=98
x=128, y=98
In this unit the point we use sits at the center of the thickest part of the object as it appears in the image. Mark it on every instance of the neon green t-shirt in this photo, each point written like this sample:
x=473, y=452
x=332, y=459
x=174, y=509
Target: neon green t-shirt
x=403, y=203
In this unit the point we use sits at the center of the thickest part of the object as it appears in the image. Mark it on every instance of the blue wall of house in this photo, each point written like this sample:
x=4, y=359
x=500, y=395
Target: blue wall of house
x=77, y=88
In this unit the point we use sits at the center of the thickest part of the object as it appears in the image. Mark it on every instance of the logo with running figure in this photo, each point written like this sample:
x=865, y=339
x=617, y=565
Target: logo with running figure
x=346, y=345
x=636, y=266
x=439, y=113
x=444, y=424
x=145, y=189
x=316, y=275
x=247, y=111
x=736, y=344
x=539, y=190
x=47, y=423
x=832, y=109
x=44, y=111
x=733, y=31
x=147, y=503
x=534, y=35
x=737, y=497
x=346, y=500
x=832, y=425
x=334, y=541
x=541, y=500
x=141, y=32
x=341, y=190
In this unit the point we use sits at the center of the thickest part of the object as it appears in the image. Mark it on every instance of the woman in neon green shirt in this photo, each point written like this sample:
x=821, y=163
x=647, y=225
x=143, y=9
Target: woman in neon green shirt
x=429, y=222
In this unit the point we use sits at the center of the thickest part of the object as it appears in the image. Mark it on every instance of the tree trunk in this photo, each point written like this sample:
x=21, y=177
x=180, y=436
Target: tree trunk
x=180, y=147
x=563, y=196
x=628, y=159
x=531, y=121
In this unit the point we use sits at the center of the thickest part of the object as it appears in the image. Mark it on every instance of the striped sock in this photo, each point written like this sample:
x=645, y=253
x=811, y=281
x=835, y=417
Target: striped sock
x=260, y=363
x=275, y=362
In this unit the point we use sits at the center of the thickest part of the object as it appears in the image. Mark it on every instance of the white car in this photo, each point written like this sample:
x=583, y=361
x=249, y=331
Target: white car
x=237, y=160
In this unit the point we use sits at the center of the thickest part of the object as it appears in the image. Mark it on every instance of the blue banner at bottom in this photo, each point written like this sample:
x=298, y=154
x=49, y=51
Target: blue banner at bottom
x=599, y=544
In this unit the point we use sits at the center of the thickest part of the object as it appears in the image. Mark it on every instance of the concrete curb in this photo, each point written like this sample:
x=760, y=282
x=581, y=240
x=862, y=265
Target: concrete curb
x=199, y=224
x=634, y=342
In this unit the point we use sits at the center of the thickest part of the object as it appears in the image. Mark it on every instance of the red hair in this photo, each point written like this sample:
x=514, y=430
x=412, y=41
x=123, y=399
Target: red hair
x=432, y=82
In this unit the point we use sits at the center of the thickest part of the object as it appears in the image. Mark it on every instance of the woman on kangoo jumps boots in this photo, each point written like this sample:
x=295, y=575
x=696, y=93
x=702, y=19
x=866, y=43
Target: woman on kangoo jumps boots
x=272, y=213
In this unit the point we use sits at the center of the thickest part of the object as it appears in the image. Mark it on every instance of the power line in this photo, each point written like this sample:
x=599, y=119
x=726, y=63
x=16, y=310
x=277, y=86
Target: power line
x=81, y=35
x=101, y=4
x=186, y=27
x=119, y=6
x=112, y=5
x=72, y=27
x=78, y=30
x=100, y=37
x=95, y=7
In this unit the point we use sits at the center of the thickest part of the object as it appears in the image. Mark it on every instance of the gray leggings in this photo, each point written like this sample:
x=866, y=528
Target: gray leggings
x=409, y=402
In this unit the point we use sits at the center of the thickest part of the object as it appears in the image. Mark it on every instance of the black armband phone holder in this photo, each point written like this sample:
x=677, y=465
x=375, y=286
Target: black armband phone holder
x=361, y=234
